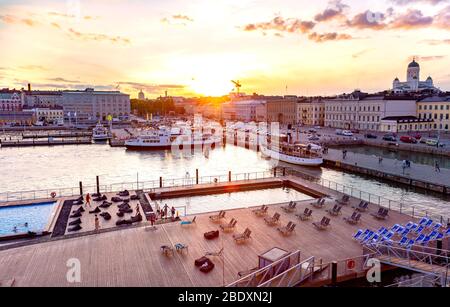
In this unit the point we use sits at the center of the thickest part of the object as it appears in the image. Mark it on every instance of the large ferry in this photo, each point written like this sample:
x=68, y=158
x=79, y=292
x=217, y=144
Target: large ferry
x=165, y=138
x=100, y=133
x=299, y=154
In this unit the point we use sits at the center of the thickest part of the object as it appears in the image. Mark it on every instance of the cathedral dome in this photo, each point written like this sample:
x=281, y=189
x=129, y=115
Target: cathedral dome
x=413, y=64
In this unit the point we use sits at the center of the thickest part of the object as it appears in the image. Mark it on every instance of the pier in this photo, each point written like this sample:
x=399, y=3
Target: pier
x=419, y=176
x=48, y=142
x=134, y=253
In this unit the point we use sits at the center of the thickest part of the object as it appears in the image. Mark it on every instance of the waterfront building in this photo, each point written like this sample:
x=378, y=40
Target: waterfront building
x=16, y=117
x=363, y=111
x=45, y=99
x=413, y=83
x=53, y=114
x=397, y=124
x=436, y=108
x=95, y=105
x=283, y=111
x=10, y=100
x=311, y=111
x=245, y=110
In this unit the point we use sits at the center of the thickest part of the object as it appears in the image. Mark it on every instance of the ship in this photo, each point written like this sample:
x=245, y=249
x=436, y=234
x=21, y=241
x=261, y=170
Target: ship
x=100, y=133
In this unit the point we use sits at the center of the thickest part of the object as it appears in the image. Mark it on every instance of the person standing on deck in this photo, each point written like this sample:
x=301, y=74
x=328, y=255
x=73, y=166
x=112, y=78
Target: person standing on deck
x=172, y=211
x=166, y=209
x=88, y=199
x=97, y=223
x=437, y=168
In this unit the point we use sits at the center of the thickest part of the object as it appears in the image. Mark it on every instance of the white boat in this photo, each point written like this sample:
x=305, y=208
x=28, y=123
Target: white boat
x=165, y=138
x=100, y=133
x=298, y=154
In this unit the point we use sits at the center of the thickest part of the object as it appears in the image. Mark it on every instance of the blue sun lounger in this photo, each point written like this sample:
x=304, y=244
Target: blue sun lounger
x=358, y=234
x=404, y=241
x=428, y=223
x=420, y=238
x=423, y=221
x=410, y=244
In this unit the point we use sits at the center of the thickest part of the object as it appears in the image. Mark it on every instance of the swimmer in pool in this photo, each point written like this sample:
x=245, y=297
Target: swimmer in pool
x=15, y=229
x=26, y=225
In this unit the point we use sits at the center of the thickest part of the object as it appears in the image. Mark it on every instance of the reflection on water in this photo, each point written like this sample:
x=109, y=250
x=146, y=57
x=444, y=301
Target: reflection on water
x=236, y=200
x=64, y=166
x=415, y=157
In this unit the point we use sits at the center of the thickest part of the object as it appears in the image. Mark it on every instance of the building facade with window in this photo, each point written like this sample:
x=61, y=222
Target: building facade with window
x=283, y=111
x=311, y=111
x=436, y=108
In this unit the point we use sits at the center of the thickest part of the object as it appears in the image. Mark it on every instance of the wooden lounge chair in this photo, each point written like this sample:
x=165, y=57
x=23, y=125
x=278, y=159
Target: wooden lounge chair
x=243, y=237
x=261, y=211
x=287, y=230
x=230, y=226
x=344, y=200
x=324, y=223
x=216, y=218
x=306, y=215
x=274, y=220
x=362, y=206
x=335, y=211
x=189, y=222
x=319, y=204
x=290, y=208
x=382, y=214
x=354, y=219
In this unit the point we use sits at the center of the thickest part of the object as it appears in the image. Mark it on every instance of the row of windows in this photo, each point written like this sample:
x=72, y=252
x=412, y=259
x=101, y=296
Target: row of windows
x=436, y=107
x=349, y=108
x=348, y=117
x=434, y=116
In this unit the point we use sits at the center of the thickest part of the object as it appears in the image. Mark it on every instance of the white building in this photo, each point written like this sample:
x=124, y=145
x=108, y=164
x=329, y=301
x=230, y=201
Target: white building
x=245, y=110
x=52, y=115
x=95, y=105
x=413, y=83
x=43, y=98
x=10, y=101
x=362, y=111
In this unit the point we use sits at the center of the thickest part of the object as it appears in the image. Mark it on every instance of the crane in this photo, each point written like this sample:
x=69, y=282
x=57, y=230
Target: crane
x=238, y=86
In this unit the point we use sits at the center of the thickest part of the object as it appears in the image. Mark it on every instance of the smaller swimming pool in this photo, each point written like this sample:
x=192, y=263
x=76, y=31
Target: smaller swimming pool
x=24, y=218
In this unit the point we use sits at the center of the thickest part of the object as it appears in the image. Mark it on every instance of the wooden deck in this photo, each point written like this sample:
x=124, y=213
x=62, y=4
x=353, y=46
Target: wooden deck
x=132, y=257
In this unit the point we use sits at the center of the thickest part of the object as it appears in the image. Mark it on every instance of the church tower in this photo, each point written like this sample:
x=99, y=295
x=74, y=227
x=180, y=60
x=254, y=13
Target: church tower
x=413, y=75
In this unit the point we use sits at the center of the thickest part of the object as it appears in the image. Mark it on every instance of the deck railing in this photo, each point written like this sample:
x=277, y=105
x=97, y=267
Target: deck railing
x=33, y=195
x=415, y=211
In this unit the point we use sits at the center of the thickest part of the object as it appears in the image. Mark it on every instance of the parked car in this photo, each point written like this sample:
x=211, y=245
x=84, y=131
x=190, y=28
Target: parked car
x=339, y=132
x=312, y=131
x=408, y=139
x=347, y=133
x=355, y=131
x=370, y=136
x=313, y=138
x=417, y=136
x=432, y=142
x=390, y=138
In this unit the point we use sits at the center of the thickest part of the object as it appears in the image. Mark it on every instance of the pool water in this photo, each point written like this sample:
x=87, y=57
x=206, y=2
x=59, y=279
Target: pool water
x=36, y=215
x=236, y=200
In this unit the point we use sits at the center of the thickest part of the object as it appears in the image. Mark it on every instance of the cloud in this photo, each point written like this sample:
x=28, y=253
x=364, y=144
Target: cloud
x=442, y=19
x=59, y=79
x=177, y=20
x=332, y=36
x=368, y=20
x=335, y=10
x=10, y=19
x=98, y=37
x=360, y=53
x=430, y=57
x=290, y=25
x=32, y=67
x=151, y=88
x=435, y=42
x=412, y=19
x=407, y=2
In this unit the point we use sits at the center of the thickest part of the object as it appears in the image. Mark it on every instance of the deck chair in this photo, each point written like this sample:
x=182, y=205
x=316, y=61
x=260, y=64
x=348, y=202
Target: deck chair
x=382, y=214
x=306, y=215
x=274, y=220
x=362, y=207
x=261, y=211
x=243, y=237
x=230, y=226
x=354, y=219
x=319, y=204
x=335, y=211
x=217, y=217
x=290, y=208
x=344, y=200
x=287, y=230
x=324, y=223
x=189, y=222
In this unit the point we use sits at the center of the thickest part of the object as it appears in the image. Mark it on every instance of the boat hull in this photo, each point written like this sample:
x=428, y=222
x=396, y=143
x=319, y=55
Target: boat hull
x=138, y=147
x=291, y=159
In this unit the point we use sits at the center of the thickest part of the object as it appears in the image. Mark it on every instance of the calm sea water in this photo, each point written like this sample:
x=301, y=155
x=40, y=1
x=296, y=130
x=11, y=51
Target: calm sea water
x=64, y=166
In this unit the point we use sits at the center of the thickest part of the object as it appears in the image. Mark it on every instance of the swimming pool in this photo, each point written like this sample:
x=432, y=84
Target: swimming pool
x=235, y=200
x=13, y=219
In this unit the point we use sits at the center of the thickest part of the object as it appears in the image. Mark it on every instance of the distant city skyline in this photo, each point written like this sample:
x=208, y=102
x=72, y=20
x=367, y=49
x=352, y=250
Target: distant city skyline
x=197, y=47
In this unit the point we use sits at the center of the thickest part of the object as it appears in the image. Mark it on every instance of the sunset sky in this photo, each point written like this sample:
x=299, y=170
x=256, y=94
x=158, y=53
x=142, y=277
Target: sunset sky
x=196, y=47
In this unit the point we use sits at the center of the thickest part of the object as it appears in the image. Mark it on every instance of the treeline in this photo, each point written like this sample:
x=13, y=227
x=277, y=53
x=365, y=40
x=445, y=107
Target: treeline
x=155, y=107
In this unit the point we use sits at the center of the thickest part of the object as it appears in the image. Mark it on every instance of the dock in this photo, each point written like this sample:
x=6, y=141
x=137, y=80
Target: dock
x=132, y=256
x=49, y=142
x=418, y=175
